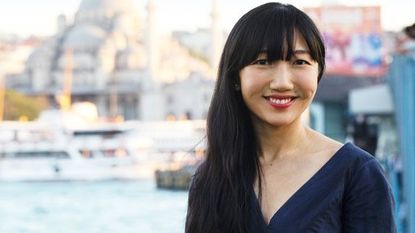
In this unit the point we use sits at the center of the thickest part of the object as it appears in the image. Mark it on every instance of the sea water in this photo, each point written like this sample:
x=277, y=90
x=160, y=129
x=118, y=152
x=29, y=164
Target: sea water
x=91, y=207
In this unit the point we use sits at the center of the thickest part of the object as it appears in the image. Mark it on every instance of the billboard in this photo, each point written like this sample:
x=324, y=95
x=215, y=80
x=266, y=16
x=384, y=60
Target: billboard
x=353, y=39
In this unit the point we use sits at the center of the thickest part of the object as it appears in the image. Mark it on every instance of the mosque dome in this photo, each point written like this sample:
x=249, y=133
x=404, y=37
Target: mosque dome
x=98, y=10
x=132, y=57
x=84, y=37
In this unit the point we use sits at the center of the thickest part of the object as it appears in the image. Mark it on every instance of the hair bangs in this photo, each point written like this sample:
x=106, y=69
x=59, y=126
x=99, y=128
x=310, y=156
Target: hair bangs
x=249, y=43
x=274, y=32
x=270, y=33
x=278, y=40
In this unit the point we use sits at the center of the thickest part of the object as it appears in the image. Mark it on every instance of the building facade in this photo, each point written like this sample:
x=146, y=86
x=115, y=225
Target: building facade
x=114, y=58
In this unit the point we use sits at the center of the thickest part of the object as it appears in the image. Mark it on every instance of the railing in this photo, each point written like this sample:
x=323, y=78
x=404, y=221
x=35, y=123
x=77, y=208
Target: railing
x=401, y=78
x=395, y=178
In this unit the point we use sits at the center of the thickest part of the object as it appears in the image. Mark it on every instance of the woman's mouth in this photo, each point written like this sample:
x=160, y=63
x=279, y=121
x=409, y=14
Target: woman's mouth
x=280, y=101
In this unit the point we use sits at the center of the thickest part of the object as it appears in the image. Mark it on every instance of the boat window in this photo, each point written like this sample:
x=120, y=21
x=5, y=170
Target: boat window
x=37, y=154
x=118, y=152
x=88, y=154
x=102, y=133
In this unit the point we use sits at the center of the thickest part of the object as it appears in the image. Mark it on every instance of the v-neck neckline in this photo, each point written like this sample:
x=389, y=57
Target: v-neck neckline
x=320, y=171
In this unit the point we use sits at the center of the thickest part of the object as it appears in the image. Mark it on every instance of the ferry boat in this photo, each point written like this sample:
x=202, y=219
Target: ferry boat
x=35, y=151
x=62, y=146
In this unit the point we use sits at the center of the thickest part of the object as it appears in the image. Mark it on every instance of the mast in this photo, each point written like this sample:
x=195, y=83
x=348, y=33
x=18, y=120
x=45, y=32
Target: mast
x=113, y=98
x=65, y=100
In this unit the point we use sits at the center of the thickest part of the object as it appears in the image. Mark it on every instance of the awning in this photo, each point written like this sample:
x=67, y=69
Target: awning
x=371, y=100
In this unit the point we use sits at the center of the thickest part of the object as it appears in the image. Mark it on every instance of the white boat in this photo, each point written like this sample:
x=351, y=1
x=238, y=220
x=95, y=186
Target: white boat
x=36, y=152
x=54, y=150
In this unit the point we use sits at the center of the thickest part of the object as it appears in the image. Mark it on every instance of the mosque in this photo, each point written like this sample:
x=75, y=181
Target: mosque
x=112, y=57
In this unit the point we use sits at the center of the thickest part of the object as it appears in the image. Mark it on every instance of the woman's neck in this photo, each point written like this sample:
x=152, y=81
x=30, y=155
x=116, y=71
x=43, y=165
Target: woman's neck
x=282, y=142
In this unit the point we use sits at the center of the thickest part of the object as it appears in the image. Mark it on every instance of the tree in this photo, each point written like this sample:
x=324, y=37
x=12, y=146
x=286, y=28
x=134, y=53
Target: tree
x=18, y=106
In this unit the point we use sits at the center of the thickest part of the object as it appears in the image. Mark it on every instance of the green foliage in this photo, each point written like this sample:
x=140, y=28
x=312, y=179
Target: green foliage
x=18, y=106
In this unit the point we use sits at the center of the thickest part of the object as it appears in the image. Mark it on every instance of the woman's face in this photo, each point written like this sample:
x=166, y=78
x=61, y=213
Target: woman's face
x=277, y=93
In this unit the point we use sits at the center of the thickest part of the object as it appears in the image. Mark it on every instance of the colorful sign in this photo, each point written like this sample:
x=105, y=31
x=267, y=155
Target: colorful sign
x=353, y=39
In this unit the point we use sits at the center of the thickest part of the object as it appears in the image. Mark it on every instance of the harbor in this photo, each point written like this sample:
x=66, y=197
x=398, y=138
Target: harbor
x=100, y=177
x=93, y=207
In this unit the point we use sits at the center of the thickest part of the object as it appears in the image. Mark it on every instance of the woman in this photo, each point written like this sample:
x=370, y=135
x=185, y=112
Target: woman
x=265, y=171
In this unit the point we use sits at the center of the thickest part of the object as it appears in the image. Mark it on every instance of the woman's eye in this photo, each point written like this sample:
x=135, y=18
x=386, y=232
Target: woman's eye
x=301, y=62
x=261, y=62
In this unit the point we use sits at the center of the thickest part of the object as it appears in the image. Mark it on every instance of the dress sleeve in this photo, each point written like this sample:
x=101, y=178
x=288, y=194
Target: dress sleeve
x=368, y=201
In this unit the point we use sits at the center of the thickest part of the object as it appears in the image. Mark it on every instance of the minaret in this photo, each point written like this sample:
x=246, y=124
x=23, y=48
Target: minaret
x=61, y=24
x=151, y=97
x=152, y=41
x=216, y=36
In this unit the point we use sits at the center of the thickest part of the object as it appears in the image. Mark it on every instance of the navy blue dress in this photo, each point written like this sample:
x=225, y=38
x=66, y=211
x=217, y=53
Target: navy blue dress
x=349, y=194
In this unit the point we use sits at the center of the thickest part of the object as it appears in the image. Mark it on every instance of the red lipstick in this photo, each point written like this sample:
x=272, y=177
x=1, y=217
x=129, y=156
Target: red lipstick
x=279, y=101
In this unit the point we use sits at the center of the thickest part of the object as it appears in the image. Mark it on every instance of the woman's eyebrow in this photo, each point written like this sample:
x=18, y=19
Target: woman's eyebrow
x=262, y=54
x=301, y=51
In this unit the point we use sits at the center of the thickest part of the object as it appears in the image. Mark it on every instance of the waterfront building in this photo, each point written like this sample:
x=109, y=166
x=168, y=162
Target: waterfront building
x=116, y=59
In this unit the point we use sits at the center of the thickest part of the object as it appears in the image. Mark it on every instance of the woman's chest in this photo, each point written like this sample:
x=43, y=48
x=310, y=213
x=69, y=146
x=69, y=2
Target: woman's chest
x=280, y=182
x=315, y=207
x=304, y=197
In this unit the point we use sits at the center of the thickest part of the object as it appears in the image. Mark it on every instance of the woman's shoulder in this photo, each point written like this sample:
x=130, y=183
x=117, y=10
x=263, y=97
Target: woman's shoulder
x=356, y=156
x=367, y=195
x=352, y=154
x=363, y=170
x=347, y=157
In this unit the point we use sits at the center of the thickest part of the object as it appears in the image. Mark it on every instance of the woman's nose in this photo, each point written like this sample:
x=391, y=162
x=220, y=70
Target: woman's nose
x=281, y=77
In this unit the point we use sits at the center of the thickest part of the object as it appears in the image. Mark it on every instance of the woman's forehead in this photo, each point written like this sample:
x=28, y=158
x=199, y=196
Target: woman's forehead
x=298, y=47
x=298, y=43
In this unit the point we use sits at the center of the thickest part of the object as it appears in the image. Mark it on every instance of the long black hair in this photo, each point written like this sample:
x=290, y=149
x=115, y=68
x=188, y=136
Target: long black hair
x=221, y=190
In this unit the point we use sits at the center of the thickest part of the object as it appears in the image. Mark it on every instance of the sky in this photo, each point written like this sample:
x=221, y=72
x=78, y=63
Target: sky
x=38, y=17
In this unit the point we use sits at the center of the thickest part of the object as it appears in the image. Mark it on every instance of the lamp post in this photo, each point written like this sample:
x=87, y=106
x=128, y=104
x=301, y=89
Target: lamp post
x=67, y=80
